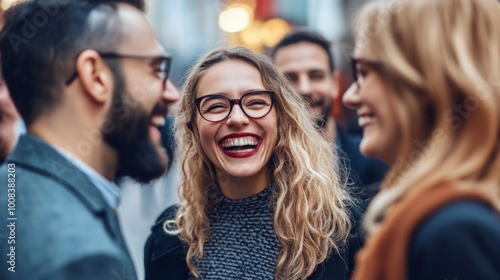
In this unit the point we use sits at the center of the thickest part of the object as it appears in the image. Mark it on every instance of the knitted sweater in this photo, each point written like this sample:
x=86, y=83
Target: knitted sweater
x=247, y=225
x=243, y=244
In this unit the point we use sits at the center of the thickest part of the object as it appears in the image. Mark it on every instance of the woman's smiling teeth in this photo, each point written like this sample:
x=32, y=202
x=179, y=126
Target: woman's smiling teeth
x=365, y=120
x=243, y=144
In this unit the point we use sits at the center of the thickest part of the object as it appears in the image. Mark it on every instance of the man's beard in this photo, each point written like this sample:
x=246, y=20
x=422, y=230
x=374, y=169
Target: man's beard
x=322, y=120
x=139, y=158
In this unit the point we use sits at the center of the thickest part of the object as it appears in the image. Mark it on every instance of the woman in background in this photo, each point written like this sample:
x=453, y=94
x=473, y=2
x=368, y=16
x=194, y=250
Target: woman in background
x=428, y=98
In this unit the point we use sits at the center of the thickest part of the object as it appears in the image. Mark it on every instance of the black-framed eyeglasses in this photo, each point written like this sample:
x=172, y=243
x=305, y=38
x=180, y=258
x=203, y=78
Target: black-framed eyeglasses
x=359, y=77
x=161, y=64
x=217, y=107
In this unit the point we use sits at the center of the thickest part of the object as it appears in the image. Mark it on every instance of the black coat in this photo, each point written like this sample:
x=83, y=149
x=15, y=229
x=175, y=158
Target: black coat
x=459, y=242
x=365, y=174
x=165, y=255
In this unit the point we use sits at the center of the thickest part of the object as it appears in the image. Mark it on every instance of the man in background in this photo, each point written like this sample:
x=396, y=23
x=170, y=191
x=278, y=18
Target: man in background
x=89, y=79
x=306, y=59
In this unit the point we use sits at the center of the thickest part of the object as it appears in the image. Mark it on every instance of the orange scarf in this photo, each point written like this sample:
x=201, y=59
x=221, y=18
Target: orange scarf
x=385, y=254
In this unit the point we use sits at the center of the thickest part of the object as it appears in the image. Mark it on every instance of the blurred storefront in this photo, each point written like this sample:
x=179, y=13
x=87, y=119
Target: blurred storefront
x=188, y=28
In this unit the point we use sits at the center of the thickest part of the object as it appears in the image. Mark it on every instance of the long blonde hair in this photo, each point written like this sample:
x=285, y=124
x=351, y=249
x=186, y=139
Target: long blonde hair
x=310, y=203
x=442, y=60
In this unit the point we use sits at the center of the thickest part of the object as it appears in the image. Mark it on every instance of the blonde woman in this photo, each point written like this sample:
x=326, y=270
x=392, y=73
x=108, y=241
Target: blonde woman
x=259, y=198
x=428, y=98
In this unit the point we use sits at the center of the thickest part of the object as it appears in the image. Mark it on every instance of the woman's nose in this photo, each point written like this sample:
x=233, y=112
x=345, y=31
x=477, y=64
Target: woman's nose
x=351, y=98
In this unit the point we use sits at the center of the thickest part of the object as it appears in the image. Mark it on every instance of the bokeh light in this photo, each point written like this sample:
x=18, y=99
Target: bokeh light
x=235, y=17
x=273, y=30
x=252, y=35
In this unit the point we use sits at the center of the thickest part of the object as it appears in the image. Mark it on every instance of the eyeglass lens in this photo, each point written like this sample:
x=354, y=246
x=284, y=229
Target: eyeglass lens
x=218, y=107
x=357, y=78
x=163, y=69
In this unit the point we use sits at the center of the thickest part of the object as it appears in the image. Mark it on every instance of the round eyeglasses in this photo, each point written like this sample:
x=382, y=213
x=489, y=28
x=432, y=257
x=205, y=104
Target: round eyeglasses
x=217, y=107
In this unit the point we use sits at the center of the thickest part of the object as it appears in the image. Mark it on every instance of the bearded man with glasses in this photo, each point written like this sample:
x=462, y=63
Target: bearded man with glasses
x=90, y=85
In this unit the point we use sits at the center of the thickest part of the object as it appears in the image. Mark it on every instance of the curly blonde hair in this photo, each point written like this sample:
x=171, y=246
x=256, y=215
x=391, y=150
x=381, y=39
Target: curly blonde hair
x=309, y=201
x=444, y=73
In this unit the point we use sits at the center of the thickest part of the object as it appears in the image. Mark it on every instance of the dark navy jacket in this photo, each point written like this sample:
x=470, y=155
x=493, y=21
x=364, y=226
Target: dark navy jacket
x=459, y=242
x=365, y=173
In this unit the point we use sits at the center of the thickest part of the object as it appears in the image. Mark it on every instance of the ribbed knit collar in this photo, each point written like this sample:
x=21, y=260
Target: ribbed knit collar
x=257, y=201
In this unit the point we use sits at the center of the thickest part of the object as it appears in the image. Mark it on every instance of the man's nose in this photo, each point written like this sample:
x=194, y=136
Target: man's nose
x=170, y=94
x=304, y=85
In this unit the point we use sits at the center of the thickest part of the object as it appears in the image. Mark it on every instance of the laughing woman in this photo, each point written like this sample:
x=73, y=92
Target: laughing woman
x=259, y=199
x=428, y=98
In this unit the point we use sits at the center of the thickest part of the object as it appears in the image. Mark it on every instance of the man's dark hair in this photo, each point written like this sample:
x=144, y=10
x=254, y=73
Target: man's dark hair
x=304, y=35
x=41, y=40
x=139, y=4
